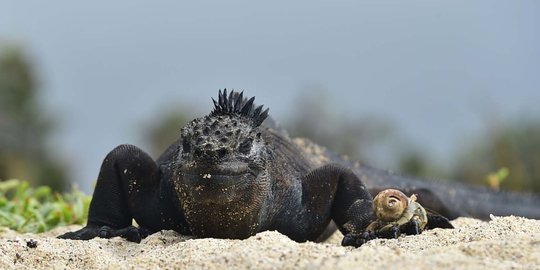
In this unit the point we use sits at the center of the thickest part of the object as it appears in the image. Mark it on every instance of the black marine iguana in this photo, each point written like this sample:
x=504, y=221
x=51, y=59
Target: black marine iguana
x=230, y=175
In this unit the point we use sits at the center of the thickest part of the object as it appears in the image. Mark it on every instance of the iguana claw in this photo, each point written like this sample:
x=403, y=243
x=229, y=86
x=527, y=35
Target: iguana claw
x=131, y=233
x=356, y=240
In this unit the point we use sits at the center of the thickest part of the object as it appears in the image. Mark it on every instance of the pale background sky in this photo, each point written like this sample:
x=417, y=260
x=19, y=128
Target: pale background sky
x=437, y=69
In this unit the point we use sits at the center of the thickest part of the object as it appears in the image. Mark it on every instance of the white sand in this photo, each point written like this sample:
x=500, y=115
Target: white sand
x=503, y=243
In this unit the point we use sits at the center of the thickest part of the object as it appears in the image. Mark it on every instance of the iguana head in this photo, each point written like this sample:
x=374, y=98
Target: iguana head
x=223, y=153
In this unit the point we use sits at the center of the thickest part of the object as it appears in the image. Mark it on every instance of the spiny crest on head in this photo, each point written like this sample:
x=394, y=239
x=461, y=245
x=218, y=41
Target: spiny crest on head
x=235, y=104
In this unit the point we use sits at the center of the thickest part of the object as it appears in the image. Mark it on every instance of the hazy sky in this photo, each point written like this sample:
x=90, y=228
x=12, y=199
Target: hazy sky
x=438, y=69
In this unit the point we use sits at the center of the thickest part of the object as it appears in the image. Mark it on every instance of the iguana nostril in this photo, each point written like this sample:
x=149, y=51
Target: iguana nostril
x=222, y=152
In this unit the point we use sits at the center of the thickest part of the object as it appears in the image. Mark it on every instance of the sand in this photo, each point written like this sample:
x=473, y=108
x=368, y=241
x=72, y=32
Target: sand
x=501, y=243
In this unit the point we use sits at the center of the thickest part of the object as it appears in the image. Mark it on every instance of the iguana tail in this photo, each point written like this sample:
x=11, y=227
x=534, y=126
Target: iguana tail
x=453, y=199
x=450, y=199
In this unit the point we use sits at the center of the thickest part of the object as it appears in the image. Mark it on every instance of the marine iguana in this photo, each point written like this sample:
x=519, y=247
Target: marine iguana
x=232, y=174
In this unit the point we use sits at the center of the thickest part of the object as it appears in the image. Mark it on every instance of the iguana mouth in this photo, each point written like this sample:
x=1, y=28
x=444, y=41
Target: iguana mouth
x=207, y=178
x=223, y=169
x=222, y=175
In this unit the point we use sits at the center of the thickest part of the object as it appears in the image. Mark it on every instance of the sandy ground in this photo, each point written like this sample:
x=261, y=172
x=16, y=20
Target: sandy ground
x=502, y=243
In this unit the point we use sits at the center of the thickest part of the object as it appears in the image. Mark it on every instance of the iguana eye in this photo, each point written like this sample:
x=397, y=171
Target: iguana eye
x=186, y=146
x=245, y=146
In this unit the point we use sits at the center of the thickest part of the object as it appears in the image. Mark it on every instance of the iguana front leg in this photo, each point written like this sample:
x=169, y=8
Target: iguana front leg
x=128, y=187
x=338, y=190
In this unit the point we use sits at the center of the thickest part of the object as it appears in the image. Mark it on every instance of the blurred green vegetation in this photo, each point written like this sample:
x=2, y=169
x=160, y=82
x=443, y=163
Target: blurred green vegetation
x=515, y=146
x=24, y=152
x=27, y=209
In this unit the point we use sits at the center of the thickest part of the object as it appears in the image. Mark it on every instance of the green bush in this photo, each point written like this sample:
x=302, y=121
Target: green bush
x=27, y=209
